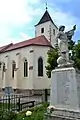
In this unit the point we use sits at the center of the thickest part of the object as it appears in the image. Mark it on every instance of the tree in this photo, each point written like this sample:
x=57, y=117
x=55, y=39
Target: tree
x=76, y=56
x=52, y=61
x=53, y=55
x=75, y=48
x=71, y=44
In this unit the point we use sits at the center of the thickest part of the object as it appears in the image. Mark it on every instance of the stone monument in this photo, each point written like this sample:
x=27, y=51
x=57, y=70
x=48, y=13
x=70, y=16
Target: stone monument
x=65, y=98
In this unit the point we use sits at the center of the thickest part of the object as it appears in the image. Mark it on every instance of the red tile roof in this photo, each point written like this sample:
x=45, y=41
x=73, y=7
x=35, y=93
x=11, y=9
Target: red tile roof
x=5, y=47
x=38, y=41
x=1, y=48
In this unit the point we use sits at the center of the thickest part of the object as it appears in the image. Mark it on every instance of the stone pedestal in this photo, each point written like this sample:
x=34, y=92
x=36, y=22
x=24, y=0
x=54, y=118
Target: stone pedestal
x=63, y=114
x=64, y=94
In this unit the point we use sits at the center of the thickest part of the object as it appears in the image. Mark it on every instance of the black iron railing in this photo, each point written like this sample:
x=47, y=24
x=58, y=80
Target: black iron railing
x=19, y=102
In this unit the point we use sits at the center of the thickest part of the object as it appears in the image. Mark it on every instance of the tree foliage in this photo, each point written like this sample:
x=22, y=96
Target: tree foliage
x=53, y=55
x=52, y=61
x=71, y=44
x=76, y=56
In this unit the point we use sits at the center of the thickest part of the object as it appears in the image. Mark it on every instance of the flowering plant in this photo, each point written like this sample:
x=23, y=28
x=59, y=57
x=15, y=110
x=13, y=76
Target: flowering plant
x=28, y=113
x=50, y=109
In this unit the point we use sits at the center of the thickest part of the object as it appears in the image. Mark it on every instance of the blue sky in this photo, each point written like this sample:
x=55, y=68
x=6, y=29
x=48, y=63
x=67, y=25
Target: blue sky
x=18, y=17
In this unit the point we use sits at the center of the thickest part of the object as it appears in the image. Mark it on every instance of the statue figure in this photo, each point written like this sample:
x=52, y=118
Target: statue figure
x=62, y=40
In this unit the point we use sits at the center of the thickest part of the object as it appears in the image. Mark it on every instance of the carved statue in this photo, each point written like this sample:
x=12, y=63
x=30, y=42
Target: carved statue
x=62, y=40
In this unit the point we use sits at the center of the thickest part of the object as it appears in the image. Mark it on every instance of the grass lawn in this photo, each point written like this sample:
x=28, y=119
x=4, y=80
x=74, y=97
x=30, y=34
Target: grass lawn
x=37, y=113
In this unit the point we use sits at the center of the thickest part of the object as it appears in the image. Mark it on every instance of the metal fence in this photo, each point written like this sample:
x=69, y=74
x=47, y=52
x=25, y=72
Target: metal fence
x=9, y=102
x=21, y=102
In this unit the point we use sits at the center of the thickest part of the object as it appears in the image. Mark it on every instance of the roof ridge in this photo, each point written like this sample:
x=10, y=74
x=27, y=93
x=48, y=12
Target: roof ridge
x=19, y=42
x=5, y=47
x=39, y=38
x=26, y=40
x=39, y=41
x=45, y=39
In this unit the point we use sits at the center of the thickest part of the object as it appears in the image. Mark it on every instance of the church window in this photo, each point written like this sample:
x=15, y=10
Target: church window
x=54, y=31
x=13, y=68
x=0, y=64
x=3, y=67
x=40, y=67
x=25, y=68
x=3, y=70
x=42, y=30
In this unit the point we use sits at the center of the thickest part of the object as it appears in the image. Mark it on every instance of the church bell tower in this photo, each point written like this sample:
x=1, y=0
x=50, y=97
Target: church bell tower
x=46, y=27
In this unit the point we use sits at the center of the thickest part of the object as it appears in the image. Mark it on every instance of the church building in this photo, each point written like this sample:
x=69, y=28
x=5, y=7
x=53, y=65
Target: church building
x=22, y=65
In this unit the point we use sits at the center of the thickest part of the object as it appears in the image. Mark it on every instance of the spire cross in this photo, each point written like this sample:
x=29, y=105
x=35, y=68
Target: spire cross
x=46, y=6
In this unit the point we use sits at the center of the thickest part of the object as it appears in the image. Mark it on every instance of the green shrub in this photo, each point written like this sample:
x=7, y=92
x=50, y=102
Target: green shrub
x=5, y=115
x=37, y=113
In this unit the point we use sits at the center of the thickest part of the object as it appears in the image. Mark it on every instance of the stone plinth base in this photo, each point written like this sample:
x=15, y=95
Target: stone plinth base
x=65, y=95
x=64, y=90
x=63, y=114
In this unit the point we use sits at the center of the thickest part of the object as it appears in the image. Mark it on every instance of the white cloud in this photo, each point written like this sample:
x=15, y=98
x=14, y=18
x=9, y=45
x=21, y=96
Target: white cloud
x=24, y=36
x=14, y=11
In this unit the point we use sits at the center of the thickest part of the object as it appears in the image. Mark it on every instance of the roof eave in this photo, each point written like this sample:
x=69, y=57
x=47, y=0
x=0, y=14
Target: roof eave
x=44, y=22
x=25, y=46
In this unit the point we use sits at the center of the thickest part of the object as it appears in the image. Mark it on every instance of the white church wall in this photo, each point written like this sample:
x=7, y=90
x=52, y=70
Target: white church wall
x=40, y=82
x=26, y=82
x=18, y=81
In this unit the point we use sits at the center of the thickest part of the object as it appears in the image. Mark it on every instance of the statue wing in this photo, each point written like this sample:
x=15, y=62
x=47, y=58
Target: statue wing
x=70, y=34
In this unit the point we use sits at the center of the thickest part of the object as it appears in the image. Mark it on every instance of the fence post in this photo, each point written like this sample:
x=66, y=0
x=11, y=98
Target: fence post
x=46, y=95
x=8, y=102
x=19, y=108
x=33, y=104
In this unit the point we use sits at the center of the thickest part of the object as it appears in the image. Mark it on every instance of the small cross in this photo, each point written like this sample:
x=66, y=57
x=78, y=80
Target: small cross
x=46, y=6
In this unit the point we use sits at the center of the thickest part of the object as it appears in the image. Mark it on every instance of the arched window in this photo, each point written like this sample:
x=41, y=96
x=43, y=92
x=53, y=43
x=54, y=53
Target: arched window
x=3, y=67
x=42, y=30
x=25, y=68
x=3, y=70
x=13, y=68
x=40, y=67
x=0, y=64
